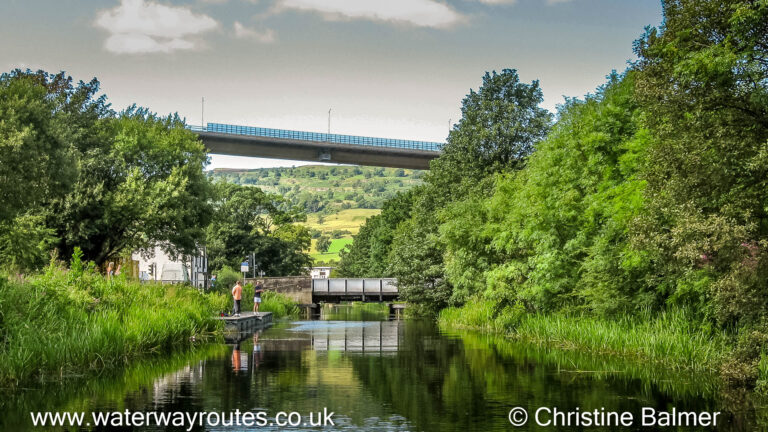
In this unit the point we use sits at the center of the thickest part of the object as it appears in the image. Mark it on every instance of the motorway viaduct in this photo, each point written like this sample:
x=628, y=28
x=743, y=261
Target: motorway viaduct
x=317, y=147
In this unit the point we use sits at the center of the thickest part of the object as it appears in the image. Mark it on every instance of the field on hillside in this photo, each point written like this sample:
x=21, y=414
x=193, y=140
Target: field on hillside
x=327, y=189
x=333, y=252
x=345, y=220
x=349, y=220
x=337, y=199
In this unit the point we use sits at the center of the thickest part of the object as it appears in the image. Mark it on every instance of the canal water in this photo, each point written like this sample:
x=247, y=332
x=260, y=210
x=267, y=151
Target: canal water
x=378, y=374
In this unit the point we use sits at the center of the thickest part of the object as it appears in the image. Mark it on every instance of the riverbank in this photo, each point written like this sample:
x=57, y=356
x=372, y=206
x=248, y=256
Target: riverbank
x=65, y=323
x=669, y=339
x=280, y=305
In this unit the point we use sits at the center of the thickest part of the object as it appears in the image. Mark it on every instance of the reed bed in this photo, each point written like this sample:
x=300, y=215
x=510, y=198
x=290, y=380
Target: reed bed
x=73, y=322
x=671, y=338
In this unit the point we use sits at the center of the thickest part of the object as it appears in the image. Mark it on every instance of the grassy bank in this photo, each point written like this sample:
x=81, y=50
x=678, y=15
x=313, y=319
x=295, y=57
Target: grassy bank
x=670, y=339
x=71, y=322
x=280, y=305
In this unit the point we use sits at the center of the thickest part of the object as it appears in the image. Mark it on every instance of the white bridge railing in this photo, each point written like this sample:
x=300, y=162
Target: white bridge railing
x=354, y=286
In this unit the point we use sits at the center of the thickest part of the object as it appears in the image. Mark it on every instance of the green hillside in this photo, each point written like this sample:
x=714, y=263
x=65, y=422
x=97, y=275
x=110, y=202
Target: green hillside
x=337, y=199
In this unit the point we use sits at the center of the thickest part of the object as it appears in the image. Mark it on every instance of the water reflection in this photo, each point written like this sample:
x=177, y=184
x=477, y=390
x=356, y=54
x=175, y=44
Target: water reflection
x=372, y=337
x=390, y=375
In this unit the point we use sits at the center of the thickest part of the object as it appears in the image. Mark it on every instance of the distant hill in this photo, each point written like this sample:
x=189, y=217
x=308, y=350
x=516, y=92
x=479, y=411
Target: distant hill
x=337, y=199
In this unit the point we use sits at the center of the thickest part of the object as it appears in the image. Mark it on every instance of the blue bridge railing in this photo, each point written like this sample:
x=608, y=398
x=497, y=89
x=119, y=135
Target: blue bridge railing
x=317, y=136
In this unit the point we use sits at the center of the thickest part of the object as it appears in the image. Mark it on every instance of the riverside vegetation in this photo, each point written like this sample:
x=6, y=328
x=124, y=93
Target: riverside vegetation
x=63, y=322
x=79, y=180
x=634, y=223
x=66, y=322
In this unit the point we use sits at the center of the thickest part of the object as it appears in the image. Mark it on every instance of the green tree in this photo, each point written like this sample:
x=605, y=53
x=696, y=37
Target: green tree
x=416, y=261
x=44, y=118
x=25, y=242
x=500, y=124
x=247, y=220
x=142, y=186
x=703, y=82
x=368, y=255
x=323, y=243
x=554, y=235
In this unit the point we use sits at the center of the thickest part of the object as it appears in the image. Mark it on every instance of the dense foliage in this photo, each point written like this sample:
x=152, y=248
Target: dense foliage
x=648, y=196
x=369, y=253
x=554, y=235
x=76, y=174
x=248, y=220
x=67, y=321
x=142, y=185
x=326, y=190
x=501, y=123
x=44, y=117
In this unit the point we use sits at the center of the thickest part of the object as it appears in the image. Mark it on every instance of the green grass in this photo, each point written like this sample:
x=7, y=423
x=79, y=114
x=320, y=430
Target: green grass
x=65, y=323
x=338, y=244
x=279, y=304
x=333, y=252
x=349, y=219
x=490, y=351
x=671, y=339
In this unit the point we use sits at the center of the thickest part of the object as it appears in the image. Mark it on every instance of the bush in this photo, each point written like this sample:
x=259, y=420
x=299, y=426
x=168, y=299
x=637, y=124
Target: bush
x=226, y=279
x=279, y=304
x=483, y=314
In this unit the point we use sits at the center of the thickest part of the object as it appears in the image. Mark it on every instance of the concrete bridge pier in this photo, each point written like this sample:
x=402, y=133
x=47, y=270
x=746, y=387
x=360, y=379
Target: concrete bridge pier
x=396, y=309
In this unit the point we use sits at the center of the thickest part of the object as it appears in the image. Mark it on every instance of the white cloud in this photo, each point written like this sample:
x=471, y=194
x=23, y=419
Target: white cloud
x=422, y=13
x=139, y=26
x=243, y=32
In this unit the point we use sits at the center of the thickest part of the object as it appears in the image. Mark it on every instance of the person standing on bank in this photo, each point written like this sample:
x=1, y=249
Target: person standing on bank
x=237, y=295
x=257, y=290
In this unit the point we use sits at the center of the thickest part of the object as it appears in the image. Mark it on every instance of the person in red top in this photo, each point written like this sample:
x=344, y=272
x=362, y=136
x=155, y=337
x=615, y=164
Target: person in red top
x=237, y=295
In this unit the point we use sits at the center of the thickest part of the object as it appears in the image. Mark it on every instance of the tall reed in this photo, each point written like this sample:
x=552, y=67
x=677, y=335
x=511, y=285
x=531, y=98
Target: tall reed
x=671, y=338
x=69, y=322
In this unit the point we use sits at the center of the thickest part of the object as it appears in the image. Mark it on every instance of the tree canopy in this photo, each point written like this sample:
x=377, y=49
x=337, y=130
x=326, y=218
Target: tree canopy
x=44, y=119
x=247, y=220
x=144, y=186
x=76, y=174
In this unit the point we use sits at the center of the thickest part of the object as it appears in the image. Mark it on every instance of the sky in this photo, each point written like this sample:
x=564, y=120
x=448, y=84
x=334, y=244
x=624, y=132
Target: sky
x=391, y=68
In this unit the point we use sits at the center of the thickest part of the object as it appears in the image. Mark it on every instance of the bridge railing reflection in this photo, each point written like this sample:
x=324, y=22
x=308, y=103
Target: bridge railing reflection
x=371, y=338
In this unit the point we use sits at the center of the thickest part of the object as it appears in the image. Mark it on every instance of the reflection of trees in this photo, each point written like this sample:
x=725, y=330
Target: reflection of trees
x=355, y=312
x=432, y=382
x=471, y=381
x=137, y=387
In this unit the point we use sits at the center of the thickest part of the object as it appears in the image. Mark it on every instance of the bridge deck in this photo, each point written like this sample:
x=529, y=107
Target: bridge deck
x=313, y=146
